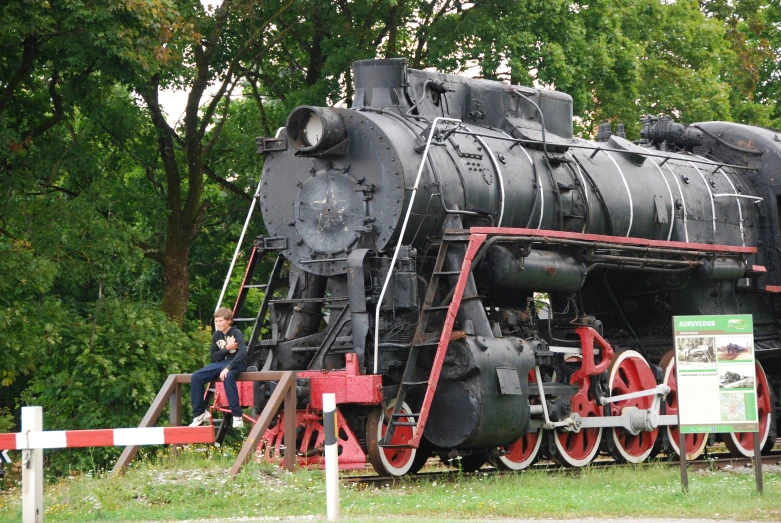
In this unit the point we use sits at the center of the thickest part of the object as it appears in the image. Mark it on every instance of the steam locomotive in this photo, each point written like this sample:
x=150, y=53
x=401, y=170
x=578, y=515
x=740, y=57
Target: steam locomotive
x=473, y=281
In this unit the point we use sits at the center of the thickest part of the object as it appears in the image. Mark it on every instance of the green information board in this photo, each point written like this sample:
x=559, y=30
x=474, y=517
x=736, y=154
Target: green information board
x=716, y=373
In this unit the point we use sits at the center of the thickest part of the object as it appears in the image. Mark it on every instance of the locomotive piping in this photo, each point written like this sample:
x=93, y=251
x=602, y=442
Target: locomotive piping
x=756, y=199
x=556, y=194
x=542, y=197
x=710, y=193
x=441, y=194
x=417, y=102
x=734, y=194
x=498, y=175
x=417, y=133
x=600, y=197
x=648, y=154
x=683, y=202
x=401, y=237
x=536, y=178
x=672, y=202
x=727, y=144
x=400, y=118
x=621, y=313
x=628, y=192
x=579, y=175
x=605, y=265
x=740, y=210
x=624, y=259
x=438, y=181
x=542, y=120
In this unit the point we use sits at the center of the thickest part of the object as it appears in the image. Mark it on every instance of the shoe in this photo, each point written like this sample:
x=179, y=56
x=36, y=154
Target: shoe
x=200, y=419
x=237, y=422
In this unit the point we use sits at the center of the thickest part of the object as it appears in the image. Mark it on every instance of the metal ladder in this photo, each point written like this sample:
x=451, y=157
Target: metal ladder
x=450, y=305
x=259, y=250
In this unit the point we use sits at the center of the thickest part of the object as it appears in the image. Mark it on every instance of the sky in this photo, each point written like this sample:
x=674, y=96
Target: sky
x=173, y=101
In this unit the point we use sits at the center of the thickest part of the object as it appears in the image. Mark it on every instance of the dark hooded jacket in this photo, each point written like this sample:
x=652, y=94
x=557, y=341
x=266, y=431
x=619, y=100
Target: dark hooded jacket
x=219, y=353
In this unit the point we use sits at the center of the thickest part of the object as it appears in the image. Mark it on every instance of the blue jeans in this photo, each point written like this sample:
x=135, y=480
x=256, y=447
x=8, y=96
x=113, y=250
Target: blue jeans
x=209, y=373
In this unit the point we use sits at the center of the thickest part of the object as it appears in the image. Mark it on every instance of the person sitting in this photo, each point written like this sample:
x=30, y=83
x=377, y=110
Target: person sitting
x=228, y=358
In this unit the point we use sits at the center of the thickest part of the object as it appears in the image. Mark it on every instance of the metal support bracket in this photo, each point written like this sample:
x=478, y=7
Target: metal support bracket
x=267, y=145
x=571, y=423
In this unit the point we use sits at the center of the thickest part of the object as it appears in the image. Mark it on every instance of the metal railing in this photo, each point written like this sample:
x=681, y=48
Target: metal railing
x=171, y=392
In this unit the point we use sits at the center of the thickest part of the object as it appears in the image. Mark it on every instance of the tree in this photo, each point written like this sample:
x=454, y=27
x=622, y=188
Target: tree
x=752, y=32
x=618, y=60
x=106, y=372
x=219, y=46
x=682, y=66
x=60, y=246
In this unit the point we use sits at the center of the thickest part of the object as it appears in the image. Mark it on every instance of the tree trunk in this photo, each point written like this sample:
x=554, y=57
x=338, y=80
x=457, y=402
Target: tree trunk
x=393, y=30
x=176, y=272
x=182, y=222
x=348, y=80
x=515, y=75
x=316, y=58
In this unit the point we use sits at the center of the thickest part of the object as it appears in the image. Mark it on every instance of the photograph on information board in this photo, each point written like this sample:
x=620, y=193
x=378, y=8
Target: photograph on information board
x=697, y=352
x=735, y=348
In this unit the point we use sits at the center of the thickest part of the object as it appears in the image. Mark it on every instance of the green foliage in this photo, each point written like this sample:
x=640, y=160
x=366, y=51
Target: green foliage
x=681, y=65
x=752, y=31
x=105, y=370
x=7, y=421
x=54, y=54
x=618, y=60
x=28, y=321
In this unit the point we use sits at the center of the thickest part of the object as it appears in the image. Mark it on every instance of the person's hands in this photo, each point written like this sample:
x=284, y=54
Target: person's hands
x=224, y=373
x=232, y=345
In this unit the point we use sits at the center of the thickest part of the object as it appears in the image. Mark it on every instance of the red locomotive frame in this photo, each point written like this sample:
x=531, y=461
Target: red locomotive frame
x=352, y=387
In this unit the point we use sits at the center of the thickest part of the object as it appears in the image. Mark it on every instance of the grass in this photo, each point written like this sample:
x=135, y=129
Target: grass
x=193, y=484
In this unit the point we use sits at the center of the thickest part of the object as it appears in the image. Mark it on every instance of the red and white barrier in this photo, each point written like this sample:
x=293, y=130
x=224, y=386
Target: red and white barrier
x=33, y=439
x=61, y=439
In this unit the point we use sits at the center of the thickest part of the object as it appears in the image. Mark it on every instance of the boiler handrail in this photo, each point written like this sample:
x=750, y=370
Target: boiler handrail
x=401, y=238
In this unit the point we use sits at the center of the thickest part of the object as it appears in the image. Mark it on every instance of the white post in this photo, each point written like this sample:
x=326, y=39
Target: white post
x=32, y=467
x=331, y=457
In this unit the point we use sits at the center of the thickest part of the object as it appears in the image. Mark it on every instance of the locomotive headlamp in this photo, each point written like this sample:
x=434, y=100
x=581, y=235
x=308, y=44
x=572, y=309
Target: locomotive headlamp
x=311, y=129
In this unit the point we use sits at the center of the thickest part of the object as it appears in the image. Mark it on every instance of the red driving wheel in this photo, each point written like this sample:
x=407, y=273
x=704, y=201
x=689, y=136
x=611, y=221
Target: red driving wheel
x=578, y=449
x=393, y=461
x=525, y=450
x=741, y=444
x=628, y=373
x=695, y=443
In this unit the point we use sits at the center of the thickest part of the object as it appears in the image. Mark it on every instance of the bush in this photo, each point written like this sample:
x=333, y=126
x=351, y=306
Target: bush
x=109, y=379
x=27, y=314
x=7, y=423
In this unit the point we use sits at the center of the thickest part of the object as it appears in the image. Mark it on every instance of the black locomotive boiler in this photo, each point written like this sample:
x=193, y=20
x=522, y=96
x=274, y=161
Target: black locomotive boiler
x=473, y=281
